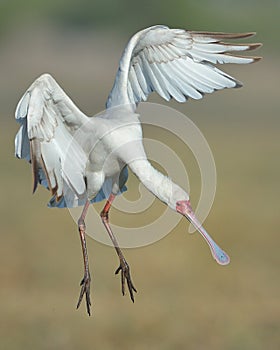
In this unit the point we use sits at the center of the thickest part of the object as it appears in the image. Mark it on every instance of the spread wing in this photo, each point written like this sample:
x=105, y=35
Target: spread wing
x=177, y=64
x=48, y=120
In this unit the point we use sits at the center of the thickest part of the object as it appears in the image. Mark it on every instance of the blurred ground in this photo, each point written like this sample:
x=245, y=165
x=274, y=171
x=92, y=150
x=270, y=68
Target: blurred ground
x=185, y=300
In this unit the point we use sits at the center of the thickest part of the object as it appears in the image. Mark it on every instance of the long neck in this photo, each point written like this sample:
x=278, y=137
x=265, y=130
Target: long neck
x=157, y=183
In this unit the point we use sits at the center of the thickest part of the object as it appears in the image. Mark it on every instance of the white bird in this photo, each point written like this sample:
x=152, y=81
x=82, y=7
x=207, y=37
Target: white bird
x=82, y=160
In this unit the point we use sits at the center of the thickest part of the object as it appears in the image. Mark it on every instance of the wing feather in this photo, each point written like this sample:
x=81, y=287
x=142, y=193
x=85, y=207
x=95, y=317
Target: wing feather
x=141, y=79
x=154, y=81
x=136, y=85
x=186, y=76
x=177, y=63
x=172, y=89
x=48, y=120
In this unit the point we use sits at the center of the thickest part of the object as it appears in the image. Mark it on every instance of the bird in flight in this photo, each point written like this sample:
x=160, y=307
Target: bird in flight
x=82, y=160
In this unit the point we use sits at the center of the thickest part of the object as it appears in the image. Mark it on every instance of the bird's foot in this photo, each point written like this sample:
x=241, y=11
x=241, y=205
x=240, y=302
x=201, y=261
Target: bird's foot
x=85, y=290
x=125, y=276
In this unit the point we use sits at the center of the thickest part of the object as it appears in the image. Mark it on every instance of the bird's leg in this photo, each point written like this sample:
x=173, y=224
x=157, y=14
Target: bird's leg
x=124, y=267
x=85, y=283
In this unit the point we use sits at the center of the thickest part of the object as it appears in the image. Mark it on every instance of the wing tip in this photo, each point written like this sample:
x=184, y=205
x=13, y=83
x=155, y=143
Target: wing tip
x=256, y=59
x=221, y=35
x=238, y=84
x=35, y=182
x=34, y=152
x=252, y=59
x=224, y=35
x=254, y=46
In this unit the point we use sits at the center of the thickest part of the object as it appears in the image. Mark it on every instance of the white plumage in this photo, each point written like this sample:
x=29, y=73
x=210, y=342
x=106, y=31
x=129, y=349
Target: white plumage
x=82, y=160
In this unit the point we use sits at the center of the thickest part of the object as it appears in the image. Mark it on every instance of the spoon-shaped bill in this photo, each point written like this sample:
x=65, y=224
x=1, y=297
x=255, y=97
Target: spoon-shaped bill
x=184, y=208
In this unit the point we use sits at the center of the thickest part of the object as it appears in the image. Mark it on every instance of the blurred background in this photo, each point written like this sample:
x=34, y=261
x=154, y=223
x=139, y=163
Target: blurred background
x=184, y=300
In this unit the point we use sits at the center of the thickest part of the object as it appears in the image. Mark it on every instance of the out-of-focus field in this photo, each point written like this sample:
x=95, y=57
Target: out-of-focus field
x=184, y=300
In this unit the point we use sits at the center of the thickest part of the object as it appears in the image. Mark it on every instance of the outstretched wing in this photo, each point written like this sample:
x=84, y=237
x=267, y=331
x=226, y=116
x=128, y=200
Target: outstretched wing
x=177, y=64
x=48, y=120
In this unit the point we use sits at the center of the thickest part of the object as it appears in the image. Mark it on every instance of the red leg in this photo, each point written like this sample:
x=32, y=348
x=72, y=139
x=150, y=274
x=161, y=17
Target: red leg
x=85, y=283
x=124, y=267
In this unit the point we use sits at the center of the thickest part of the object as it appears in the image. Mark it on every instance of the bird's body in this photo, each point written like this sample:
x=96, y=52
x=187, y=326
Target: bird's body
x=82, y=160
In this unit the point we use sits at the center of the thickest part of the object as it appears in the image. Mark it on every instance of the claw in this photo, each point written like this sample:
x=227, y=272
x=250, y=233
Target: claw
x=118, y=270
x=125, y=276
x=85, y=290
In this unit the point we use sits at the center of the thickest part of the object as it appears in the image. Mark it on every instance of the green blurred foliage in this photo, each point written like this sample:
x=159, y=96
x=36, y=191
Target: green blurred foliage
x=131, y=15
